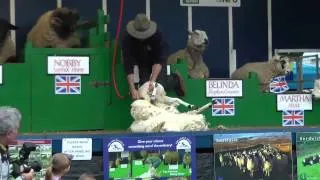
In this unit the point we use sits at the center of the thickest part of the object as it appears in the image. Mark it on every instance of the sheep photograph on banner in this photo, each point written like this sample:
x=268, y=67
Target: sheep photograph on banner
x=308, y=159
x=150, y=157
x=244, y=156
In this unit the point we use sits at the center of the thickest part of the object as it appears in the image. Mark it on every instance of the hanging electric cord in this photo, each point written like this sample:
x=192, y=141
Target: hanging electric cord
x=114, y=62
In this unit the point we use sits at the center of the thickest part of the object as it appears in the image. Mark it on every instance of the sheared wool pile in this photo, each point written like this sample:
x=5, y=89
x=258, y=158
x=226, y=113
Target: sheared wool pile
x=164, y=118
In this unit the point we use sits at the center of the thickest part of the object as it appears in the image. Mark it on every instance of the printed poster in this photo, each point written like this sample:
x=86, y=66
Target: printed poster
x=150, y=157
x=308, y=156
x=41, y=154
x=253, y=156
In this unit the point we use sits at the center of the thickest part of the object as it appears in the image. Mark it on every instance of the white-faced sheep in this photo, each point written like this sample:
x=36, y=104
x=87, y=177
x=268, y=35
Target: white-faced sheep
x=316, y=90
x=266, y=71
x=56, y=29
x=7, y=46
x=196, y=45
x=162, y=115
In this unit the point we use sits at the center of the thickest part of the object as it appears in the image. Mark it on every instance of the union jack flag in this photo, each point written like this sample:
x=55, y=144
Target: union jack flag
x=279, y=85
x=68, y=84
x=293, y=118
x=223, y=107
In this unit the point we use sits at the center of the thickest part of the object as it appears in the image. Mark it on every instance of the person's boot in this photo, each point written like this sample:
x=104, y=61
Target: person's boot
x=179, y=86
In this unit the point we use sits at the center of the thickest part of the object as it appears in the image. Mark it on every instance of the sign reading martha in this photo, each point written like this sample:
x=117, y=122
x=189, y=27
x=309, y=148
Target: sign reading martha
x=294, y=102
x=211, y=3
x=223, y=88
x=68, y=65
x=80, y=148
x=147, y=157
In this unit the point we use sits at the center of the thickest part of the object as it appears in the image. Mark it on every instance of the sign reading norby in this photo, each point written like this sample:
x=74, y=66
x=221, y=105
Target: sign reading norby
x=294, y=102
x=224, y=88
x=211, y=3
x=68, y=65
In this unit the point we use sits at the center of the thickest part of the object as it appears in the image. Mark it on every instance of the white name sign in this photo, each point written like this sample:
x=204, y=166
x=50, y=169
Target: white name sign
x=80, y=148
x=211, y=3
x=1, y=74
x=224, y=88
x=294, y=102
x=68, y=65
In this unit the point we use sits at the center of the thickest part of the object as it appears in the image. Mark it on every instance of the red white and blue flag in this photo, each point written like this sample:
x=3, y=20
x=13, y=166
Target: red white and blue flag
x=293, y=118
x=68, y=84
x=279, y=85
x=223, y=107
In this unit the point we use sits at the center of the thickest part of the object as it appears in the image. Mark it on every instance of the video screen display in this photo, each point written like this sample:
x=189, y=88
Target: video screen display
x=253, y=156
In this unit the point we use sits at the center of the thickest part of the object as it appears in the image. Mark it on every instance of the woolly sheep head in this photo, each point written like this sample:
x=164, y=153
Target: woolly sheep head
x=64, y=21
x=198, y=39
x=282, y=64
x=158, y=92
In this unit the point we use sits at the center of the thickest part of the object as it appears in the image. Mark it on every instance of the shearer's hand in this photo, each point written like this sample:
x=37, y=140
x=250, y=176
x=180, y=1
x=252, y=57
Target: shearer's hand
x=134, y=94
x=28, y=176
x=151, y=86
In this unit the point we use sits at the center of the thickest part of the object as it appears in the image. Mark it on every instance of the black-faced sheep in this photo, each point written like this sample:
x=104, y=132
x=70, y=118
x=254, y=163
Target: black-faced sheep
x=266, y=71
x=56, y=29
x=7, y=46
x=196, y=45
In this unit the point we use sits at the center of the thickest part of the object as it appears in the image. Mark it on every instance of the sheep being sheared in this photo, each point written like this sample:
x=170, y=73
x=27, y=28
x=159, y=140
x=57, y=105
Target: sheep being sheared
x=161, y=114
x=7, y=46
x=56, y=29
x=196, y=45
x=266, y=71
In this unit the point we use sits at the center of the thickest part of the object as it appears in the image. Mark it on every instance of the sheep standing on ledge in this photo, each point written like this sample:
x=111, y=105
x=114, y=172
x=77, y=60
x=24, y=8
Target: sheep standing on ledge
x=316, y=90
x=161, y=115
x=56, y=29
x=196, y=45
x=7, y=46
x=277, y=66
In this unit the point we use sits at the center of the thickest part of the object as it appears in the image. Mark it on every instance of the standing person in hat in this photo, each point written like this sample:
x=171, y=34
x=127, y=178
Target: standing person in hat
x=7, y=46
x=144, y=46
x=10, y=119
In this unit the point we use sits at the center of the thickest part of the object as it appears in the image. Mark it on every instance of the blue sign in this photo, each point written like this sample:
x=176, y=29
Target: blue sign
x=149, y=157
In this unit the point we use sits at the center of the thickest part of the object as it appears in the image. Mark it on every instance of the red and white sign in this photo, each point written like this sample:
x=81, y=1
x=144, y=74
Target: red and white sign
x=68, y=65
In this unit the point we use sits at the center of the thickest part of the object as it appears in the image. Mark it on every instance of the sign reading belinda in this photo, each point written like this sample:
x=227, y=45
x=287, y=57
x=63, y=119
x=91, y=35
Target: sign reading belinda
x=224, y=88
x=68, y=65
x=294, y=102
x=148, y=157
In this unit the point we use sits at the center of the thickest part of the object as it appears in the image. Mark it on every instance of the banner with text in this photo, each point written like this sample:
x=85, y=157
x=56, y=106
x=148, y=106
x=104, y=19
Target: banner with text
x=211, y=3
x=149, y=157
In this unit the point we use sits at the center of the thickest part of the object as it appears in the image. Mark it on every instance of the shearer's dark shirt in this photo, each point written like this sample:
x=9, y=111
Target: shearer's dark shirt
x=143, y=53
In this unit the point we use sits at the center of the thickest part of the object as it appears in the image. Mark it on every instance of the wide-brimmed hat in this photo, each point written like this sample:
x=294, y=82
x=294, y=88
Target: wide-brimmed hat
x=141, y=27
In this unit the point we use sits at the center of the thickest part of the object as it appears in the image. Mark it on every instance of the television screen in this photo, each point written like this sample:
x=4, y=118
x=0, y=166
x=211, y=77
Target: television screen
x=256, y=156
